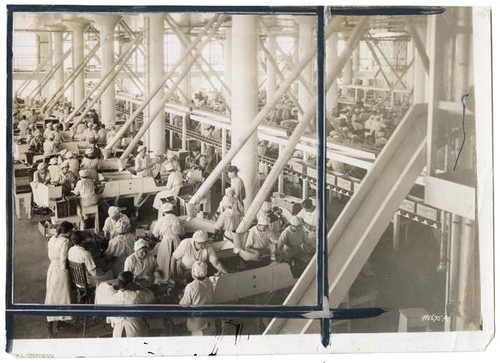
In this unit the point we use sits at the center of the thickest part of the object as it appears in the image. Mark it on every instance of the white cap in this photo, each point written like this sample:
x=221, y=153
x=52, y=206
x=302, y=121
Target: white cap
x=200, y=236
x=83, y=173
x=199, y=270
x=113, y=211
x=267, y=207
x=140, y=243
x=263, y=221
x=140, y=148
x=295, y=221
x=53, y=161
x=166, y=207
x=122, y=226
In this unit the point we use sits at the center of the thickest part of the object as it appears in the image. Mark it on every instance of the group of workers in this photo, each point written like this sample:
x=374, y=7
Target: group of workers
x=130, y=268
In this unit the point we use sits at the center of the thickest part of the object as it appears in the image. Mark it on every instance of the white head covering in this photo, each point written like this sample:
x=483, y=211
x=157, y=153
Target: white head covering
x=140, y=243
x=263, y=221
x=200, y=236
x=53, y=161
x=169, y=167
x=113, y=211
x=267, y=207
x=83, y=173
x=69, y=154
x=41, y=166
x=166, y=207
x=295, y=221
x=230, y=190
x=122, y=226
x=64, y=164
x=199, y=270
x=140, y=148
x=63, y=152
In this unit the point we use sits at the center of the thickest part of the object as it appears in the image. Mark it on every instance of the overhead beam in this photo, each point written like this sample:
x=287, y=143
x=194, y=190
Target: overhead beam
x=185, y=41
x=161, y=85
x=377, y=60
x=170, y=92
x=419, y=44
x=211, y=70
x=49, y=74
x=49, y=105
x=236, y=145
x=280, y=74
x=104, y=82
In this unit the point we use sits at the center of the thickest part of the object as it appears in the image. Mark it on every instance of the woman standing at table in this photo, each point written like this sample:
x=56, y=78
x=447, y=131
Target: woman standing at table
x=58, y=280
x=120, y=246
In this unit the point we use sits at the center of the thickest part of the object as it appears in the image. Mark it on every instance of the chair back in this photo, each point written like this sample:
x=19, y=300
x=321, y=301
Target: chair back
x=78, y=275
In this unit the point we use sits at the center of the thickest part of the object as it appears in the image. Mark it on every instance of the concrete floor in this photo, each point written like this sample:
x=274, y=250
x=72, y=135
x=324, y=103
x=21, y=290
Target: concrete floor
x=403, y=279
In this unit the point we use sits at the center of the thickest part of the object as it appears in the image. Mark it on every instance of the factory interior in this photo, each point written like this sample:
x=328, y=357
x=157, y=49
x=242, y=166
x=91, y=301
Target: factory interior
x=172, y=158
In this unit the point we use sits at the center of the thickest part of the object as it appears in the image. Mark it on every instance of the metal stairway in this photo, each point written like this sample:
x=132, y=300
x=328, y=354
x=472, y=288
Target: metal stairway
x=363, y=220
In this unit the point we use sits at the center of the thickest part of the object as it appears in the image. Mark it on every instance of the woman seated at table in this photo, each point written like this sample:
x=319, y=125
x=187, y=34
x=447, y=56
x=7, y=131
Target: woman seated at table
x=191, y=250
x=65, y=178
x=260, y=242
x=120, y=246
x=90, y=162
x=79, y=254
x=142, y=263
x=125, y=292
x=41, y=175
x=199, y=292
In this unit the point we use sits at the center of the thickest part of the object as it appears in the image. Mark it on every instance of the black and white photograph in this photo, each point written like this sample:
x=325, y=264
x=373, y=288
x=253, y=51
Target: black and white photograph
x=307, y=179
x=161, y=158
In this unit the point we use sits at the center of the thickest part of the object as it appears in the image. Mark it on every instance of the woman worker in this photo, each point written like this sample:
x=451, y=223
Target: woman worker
x=260, y=242
x=129, y=293
x=58, y=281
x=79, y=254
x=120, y=246
x=191, y=250
x=143, y=163
x=114, y=215
x=85, y=188
x=142, y=264
x=199, y=292
x=41, y=175
x=172, y=188
x=90, y=162
x=168, y=229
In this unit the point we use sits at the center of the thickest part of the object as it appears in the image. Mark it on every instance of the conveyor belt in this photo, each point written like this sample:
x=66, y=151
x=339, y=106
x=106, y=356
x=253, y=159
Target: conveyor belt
x=364, y=219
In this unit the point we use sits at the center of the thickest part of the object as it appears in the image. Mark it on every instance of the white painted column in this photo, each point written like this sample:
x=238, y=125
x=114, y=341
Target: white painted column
x=56, y=33
x=347, y=72
x=355, y=65
x=77, y=27
x=185, y=85
x=45, y=52
x=306, y=44
x=419, y=74
x=106, y=25
x=331, y=55
x=244, y=103
x=227, y=61
x=271, y=72
x=463, y=52
x=156, y=75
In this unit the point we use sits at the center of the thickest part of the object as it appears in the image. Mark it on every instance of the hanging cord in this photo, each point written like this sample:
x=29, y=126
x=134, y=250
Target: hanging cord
x=464, y=107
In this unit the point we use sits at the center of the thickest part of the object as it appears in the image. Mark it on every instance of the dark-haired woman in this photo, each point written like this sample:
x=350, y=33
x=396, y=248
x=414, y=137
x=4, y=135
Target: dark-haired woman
x=58, y=281
x=129, y=293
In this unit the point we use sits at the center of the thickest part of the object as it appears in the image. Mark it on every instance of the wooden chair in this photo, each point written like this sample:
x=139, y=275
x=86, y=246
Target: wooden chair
x=78, y=276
